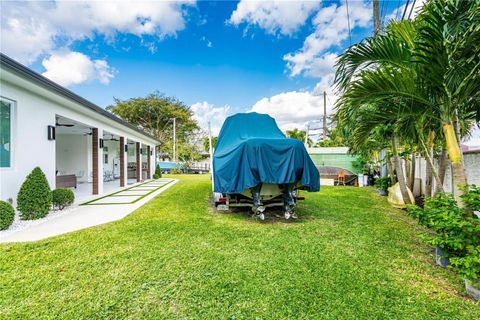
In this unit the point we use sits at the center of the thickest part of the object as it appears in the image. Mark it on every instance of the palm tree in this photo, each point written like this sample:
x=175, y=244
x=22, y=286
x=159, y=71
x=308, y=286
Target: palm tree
x=423, y=71
x=299, y=135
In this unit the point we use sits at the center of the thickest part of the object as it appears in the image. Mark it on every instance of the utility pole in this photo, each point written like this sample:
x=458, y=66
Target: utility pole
x=324, y=115
x=376, y=17
x=174, y=140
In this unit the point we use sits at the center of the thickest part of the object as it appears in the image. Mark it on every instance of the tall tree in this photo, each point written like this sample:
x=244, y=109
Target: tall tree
x=154, y=114
x=425, y=69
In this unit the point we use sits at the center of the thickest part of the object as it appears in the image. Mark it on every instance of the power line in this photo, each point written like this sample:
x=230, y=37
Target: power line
x=405, y=9
x=348, y=19
x=398, y=9
x=385, y=12
x=411, y=9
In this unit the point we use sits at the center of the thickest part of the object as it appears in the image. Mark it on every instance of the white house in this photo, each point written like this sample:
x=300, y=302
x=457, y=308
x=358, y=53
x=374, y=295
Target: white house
x=74, y=142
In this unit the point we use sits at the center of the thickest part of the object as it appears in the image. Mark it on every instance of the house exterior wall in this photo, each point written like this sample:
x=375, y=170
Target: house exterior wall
x=73, y=154
x=36, y=108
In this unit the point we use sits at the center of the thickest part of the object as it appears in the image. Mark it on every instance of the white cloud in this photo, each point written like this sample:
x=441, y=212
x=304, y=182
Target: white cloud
x=208, y=42
x=70, y=68
x=294, y=109
x=31, y=29
x=279, y=16
x=331, y=29
x=205, y=112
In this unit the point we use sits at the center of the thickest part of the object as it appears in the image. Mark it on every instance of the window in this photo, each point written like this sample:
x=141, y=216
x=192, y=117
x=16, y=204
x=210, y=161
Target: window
x=6, y=111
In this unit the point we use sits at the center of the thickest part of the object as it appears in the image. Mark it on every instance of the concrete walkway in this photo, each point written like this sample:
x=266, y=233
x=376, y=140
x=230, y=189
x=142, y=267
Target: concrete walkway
x=81, y=217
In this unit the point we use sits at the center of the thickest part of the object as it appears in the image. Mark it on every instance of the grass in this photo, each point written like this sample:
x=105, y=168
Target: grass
x=348, y=256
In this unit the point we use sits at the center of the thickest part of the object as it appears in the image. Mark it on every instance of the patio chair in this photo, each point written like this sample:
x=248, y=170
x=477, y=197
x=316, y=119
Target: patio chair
x=80, y=174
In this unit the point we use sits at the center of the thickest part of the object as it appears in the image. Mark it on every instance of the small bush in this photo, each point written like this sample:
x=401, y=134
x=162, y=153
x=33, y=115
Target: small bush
x=62, y=198
x=455, y=230
x=34, y=199
x=7, y=214
x=382, y=183
x=471, y=198
x=158, y=172
x=175, y=171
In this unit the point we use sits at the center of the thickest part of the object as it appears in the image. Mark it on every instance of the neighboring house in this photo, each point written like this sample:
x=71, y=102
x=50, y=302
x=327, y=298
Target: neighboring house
x=73, y=141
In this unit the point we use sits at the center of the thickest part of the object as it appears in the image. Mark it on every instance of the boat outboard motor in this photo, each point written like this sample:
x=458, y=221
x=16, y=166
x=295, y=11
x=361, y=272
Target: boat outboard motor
x=258, y=207
x=288, y=200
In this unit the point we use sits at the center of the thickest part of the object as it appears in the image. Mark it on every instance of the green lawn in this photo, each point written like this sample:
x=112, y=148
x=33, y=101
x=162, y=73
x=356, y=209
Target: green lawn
x=348, y=256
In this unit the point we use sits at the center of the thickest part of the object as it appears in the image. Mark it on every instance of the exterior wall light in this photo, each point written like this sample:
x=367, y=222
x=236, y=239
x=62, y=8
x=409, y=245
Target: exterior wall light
x=101, y=143
x=126, y=148
x=51, y=132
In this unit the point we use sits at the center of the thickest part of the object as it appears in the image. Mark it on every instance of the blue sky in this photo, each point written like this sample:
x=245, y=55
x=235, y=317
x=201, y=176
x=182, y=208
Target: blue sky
x=219, y=58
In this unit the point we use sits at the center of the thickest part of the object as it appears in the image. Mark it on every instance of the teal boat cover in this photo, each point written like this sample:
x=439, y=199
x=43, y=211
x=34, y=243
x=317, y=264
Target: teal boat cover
x=251, y=150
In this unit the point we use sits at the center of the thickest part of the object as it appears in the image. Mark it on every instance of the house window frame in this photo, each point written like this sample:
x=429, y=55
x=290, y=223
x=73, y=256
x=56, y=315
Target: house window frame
x=13, y=136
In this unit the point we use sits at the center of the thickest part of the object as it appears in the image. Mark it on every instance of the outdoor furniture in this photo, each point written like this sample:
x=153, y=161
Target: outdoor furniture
x=80, y=174
x=66, y=181
x=108, y=176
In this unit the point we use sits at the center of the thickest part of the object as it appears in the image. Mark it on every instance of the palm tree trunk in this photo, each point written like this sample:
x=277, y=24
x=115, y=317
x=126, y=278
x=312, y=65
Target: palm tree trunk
x=390, y=171
x=455, y=156
x=400, y=175
x=442, y=168
x=407, y=170
x=428, y=180
x=411, y=180
x=431, y=173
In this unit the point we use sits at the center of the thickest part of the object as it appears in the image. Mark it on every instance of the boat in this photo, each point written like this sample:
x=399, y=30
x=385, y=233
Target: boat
x=255, y=165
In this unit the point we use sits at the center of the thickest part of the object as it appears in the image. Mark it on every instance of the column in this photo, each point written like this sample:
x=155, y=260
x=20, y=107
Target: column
x=123, y=166
x=149, y=163
x=154, y=159
x=97, y=162
x=139, y=161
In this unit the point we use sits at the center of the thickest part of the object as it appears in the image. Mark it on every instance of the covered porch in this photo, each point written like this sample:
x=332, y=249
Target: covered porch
x=93, y=162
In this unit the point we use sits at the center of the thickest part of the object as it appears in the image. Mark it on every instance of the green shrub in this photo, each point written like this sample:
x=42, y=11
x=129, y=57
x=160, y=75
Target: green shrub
x=34, y=199
x=158, y=172
x=468, y=265
x=455, y=230
x=175, y=171
x=62, y=198
x=471, y=198
x=382, y=183
x=7, y=214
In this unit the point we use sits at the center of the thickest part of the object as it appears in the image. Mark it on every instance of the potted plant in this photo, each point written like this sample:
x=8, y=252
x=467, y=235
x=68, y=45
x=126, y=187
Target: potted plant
x=471, y=198
x=469, y=267
x=447, y=223
x=382, y=184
